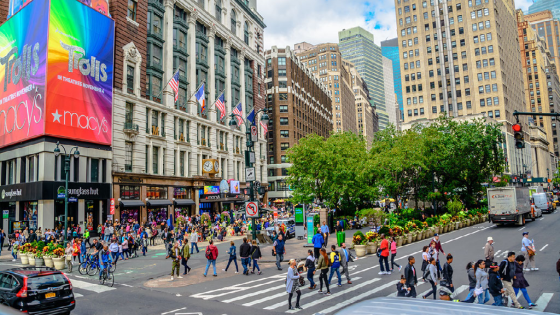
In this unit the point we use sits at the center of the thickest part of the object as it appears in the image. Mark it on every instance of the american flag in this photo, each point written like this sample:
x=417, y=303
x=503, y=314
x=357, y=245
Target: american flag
x=220, y=104
x=238, y=114
x=174, y=83
x=264, y=126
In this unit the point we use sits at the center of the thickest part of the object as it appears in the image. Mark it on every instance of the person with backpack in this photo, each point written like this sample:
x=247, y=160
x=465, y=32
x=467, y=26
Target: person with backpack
x=335, y=265
x=211, y=256
x=495, y=286
x=323, y=266
x=318, y=242
x=232, y=257
x=507, y=273
x=310, y=266
x=383, y=254
x=255, y=256
x=185, y=255
x=430, y=274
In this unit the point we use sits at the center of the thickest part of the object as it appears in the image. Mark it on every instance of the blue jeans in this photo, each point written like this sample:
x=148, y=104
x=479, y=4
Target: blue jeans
x=498, y=300
x=469, y=298
x=384, y=259
x=213, y=262
x=144, y=250
x=115, y=256
x=14, y=254
x=525, y=294
x=337, y=274
x=310, y=277
x=255, y=265
x=244, y=263
x=234, y=259
x=194, y=244
x=279, y=258
x=484, y=297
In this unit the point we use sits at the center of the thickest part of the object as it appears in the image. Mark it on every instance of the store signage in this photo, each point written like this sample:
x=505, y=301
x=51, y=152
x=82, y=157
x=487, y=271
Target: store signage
x=83, y=191
x=60, y=192
x=5, y=214
x=72, y=199
x=10, y=193
x=112, y=206
x=210, y=190
x=215, y=197
x=234, y=187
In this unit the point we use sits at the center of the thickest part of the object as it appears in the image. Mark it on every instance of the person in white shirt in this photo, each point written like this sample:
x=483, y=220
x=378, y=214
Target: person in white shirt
x=528, y=245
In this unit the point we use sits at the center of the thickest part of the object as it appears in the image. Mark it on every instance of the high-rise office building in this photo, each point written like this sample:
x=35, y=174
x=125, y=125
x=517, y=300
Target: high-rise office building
x=548, y=28
x=356, y=45
x=389, y=89
x=364, y=110
x=390, y=49
x=542, y=5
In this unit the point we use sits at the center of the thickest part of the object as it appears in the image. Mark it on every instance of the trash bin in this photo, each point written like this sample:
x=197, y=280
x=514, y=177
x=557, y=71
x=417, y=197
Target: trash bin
x=340, y=238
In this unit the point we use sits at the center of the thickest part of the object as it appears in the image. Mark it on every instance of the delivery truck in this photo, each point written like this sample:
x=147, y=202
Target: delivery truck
x=509, y=205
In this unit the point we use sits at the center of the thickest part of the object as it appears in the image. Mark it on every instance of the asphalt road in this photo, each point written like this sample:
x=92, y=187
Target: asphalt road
x=238, y=294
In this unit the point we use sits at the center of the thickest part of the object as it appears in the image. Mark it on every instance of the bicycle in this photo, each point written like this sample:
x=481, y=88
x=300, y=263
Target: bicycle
x=82, y=268
x=92, y=267
x=108, y=275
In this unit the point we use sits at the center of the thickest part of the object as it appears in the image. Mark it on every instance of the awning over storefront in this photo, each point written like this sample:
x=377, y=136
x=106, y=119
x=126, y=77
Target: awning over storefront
x=159, y=203
x=183, y=202
x=131, y=203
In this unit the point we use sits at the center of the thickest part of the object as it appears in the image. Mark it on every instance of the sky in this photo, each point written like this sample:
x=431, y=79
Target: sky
x=319, y=21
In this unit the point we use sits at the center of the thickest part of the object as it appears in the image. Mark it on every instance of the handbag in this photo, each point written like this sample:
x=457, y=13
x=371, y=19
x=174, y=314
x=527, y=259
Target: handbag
x=443, y=283
x=530, y=252
x=478, y=291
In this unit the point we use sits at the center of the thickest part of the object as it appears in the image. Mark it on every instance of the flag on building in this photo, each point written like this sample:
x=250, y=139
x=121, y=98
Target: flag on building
x=265, y=127
x=174, y=83
x=251, y=116
x=238, y=114
x=200, y=98
x=221, y=105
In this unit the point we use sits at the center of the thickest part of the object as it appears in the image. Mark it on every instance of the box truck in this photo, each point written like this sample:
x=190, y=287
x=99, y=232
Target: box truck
x=508, y=205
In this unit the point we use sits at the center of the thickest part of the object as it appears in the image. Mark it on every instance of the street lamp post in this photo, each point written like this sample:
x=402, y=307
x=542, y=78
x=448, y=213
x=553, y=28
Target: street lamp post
x=67, y=172
x=250, y=148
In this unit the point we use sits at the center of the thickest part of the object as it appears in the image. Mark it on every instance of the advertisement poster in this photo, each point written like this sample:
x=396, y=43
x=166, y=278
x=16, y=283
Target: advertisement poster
x=99, y=5
x=235, y=187
x=299, y=214
x=211, y=190
x=310, y=229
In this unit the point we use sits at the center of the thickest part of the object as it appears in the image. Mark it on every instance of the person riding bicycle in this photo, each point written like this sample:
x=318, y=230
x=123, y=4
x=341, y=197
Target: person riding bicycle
x=96, y=246
x=104, y=259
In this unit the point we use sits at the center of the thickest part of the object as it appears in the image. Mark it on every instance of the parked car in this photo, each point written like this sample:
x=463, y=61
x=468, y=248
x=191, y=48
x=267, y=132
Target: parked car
x=37, y=290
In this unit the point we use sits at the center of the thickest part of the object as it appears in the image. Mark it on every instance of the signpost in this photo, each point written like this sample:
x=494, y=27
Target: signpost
x=252, y=209
x=254, y=133
x=250, y=174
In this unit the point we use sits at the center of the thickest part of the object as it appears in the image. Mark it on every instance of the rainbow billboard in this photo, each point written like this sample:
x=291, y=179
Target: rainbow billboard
x=56, y=76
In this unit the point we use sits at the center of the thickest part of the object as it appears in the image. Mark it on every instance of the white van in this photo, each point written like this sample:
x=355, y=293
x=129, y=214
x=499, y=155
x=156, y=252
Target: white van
x=541, y=203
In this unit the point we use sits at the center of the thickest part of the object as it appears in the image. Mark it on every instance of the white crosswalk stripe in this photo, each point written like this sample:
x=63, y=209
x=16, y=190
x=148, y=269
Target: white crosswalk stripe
x=97, y=288
x=542, y=302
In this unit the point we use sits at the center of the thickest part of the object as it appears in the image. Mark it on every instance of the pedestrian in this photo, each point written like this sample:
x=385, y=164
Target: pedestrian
x=175, y=255
x=323, y=266
x=438, y=249
x=279, y=251
x=15, y=244
x=144, y=244
x=232, y=257
x=447, y=274
x=558, y=267
x=425, y=260
x=481, y=289
x=76, y=251
x=507, y=273
x=125, y=248
x=69, y=251
x=335, y=265
x=255, y=256
x=185, y=255
x=431, y=275
x=114, y=249
x=394, y=254
x=292, y=285
x=318, y=242
x=194, y=240
x=411, y=277
x=383, y=253
x=346, y=258
x=245, y=255
x=310, y=265
x=519, y=282
x=495, y=286
x=402, y=290
x=325, y=231
x=528, y=249
x=211, y=256
x=489, y=251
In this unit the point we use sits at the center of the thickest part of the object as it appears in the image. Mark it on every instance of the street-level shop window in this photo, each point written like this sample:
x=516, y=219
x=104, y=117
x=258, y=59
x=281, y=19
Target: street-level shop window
x=129, y=192
x=156, y=192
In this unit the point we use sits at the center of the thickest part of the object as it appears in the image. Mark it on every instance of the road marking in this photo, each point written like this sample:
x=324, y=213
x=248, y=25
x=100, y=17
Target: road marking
x=348, y=301
x=182, y=308
x=241, y=297
x=497, y=253
x=542, y=302
x=426, y=292
x=522, y=228
x=77, y=295
x=91, y=286
x=459, y=291
x=394, y=294
x=541, y=219
x=542, y=250
x=236, y=288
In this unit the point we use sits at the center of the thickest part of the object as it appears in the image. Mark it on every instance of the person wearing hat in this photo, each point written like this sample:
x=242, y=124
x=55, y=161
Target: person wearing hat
x=489, y=251
x=528, y=249
x=495, y=286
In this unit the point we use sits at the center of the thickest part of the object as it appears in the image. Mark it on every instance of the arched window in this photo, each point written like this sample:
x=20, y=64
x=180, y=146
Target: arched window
x=219, y=10
x=246, y=33
x=233, y=22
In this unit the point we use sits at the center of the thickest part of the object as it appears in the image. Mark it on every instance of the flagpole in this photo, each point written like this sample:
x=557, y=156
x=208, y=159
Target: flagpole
x=165, y=86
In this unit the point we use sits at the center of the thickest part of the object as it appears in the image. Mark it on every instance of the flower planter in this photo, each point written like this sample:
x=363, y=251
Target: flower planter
x=24, y=259
x=31, y=260
x=436, y=229
x=457, y=225
x=58, y=263
x=371, y=247
x=419, y=236
x=399, y=241
x=48, y=261
x=445, y=229
x=360, y=251
x=409, y=238
x=39, y=262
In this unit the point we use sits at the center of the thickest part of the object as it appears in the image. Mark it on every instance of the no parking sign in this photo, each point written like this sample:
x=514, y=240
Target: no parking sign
x=251, y=209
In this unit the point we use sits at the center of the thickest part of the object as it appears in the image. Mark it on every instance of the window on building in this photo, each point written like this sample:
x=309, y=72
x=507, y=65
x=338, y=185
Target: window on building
x=246, y=33
x=128, y=146
x=218, y=10
x=131, y=11
x=233, y=22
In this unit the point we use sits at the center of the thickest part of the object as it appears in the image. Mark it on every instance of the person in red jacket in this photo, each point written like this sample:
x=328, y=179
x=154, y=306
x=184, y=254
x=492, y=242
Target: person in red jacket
x=211, y=256
x=438, y=249
x=384, y=255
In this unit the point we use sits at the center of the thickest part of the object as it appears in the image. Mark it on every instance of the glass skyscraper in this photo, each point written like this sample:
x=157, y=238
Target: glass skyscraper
x=542, y=5
x=390, y=49
x=356, y=45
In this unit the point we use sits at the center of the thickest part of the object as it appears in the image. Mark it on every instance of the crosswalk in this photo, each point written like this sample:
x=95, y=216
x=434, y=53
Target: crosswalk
x=83, y=288
x=269, y=293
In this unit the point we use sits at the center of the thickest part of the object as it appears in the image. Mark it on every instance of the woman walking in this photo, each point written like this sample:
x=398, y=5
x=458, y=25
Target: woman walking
x=394, y=253
x=431, y=275
x=256, y=255
x=481, y=282
x=425, y=260
x=448, y=274
x=472, y=283
x=144, y=244
x=310, y=265
x=323, y=265
x=232, y=257
x=519, y=282
x=292, y=285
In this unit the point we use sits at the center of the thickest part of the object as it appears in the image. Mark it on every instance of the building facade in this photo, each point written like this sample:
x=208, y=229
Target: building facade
x=547, y=27
x=390, y=49
x=364, y=110
x=356, y=45
x=389, y=90
x=159, y=143
x=543, y=5
x=325, y=61
x=299, y=104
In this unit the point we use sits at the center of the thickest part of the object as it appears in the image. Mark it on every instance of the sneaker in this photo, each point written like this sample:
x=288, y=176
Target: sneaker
x=349, y=282
x=527, y=269
x=204, y=274
x=299, y=307
x=328, y=293
x=179, y=277
x=291, y=308
x=400, y=267
x=381, y=273
x=215, y=275
x=532, y=304
x=252, y=272
x=536, y=269
x=532, y=269
x=521, y=308
x=237, y=272
x=171, y=278
x=388, y=273
x=320, y=291
x=224, y=270
x=260, y=272
x=14, y=259
x=339, y=285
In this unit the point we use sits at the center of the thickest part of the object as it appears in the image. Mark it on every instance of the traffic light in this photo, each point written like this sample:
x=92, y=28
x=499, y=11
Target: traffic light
x=518, y=135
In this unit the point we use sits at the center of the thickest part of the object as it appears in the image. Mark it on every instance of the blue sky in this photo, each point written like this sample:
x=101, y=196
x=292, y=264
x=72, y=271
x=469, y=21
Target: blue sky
x=318, y=21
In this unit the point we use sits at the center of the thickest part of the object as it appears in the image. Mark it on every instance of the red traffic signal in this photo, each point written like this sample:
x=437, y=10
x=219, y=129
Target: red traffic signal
x=516, y=128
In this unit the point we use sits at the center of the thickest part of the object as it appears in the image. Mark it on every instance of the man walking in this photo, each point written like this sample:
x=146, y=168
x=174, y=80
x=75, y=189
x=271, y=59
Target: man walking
x=335, y=265
x=507, y=273
x=489, y=251
x=528, y=249
x=325, y=231
x=346, y=258
x=211, y=256
x=411, y=277
x=384, y=256
x=175, y=255
x=244, y=253
x=185, y=255
x=318, y=242
x=279, y=251
x=194, y=240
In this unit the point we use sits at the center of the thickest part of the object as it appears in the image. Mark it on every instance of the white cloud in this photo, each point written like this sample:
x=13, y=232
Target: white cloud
x=319, y=21
x=523, y=4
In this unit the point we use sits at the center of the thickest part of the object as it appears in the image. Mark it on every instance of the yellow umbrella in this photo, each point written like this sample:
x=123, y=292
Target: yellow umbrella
x=389, y=200
x=279, y=201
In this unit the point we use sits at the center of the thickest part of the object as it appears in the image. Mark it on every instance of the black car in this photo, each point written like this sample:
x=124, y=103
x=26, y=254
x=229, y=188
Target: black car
x=37, y=290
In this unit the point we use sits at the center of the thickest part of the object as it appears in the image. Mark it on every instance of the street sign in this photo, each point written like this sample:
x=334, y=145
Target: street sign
x=5, y=214
x=252, y=157
x=112, y=206
x=252, y=209
x=257, y=184
x=249, y=174
x=254, y=133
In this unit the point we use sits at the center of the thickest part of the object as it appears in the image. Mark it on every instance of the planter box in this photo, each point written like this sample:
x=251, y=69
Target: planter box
x=24, y=259
x=31, y=260
x=409, y=238
x=419, y=237
x=48, y=261
x=39, y=262
x=371, y=247
x=360, y=251
x=436, y=229
x=399, y=241
x=58, y=263
x=445, y=229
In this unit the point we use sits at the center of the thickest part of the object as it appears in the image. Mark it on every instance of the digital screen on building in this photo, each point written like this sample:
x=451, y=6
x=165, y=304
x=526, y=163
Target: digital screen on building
x=56, y=76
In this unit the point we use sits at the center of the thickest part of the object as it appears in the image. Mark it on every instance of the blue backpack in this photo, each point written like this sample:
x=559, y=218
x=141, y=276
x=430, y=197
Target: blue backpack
x=336, y=262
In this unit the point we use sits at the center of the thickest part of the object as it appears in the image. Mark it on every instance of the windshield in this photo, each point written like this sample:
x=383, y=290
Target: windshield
x=44, y=282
